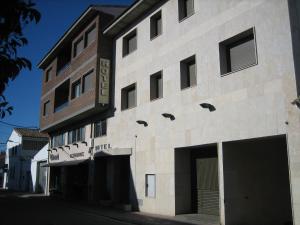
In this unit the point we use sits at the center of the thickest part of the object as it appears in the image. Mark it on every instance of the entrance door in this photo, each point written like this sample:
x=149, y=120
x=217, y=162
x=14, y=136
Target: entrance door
x=207, y=186
x=42, y=177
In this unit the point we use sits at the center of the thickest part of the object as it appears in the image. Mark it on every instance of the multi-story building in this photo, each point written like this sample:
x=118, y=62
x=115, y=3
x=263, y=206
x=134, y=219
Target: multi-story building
x=22, y=145
x=206, y=97
x=76, y=100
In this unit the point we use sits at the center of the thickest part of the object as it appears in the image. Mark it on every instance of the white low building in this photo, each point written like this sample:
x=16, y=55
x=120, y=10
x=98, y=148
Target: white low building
x=39, y=171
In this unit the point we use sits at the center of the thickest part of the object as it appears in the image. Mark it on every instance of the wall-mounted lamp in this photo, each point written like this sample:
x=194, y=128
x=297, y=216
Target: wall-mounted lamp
x=54, y=149
x=142, y=122
x=67, y=146
x=49, y=150
x=208, y=106
x=84, y=142
x=296, y=102
x=75, y=144
x=61, y=147
x=168, y=115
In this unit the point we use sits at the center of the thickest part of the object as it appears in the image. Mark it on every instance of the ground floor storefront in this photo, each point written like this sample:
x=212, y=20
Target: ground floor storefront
x=235, y=182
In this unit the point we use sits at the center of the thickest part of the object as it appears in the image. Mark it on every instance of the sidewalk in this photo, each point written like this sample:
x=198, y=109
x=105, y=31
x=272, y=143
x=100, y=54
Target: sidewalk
x=140, y=218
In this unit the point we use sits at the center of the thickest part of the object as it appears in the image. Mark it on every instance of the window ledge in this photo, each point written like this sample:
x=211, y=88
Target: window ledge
x=124, y=56
x=240, y=69
x=128, y=108
x=185, y=18
x=188, y=88
x=103, y=136
x=156, y=99
x=154, y=37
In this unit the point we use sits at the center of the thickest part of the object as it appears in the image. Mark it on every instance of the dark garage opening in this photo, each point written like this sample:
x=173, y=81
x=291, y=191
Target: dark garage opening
x=196, y=180
x=256, y=182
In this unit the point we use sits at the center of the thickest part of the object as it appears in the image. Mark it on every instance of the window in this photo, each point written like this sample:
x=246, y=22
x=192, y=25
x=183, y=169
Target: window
x=76, y=135
x=185, y=8
x=150, y=186
x=100, y=128
x=156, y=86
x=46, y=109
x=238, y=52
x=90, y=35
x=63, y=59
x=188, y=72
x=78, y=46
x=76, y=86
x=128, y=98
x=87, y=82
x=61, y=99
x=155, y=25
x=129, y=43
x=48, y=75
x=58, y=140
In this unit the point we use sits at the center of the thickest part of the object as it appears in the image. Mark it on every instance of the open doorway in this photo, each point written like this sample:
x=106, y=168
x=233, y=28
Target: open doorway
x=196, y=181
x=256, y=182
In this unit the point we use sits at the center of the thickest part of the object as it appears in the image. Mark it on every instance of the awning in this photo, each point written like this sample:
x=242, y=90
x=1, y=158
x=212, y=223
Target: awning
x=113, y=152
x=66, y=163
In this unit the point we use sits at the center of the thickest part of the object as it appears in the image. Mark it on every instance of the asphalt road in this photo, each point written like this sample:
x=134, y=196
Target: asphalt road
x=19, y=209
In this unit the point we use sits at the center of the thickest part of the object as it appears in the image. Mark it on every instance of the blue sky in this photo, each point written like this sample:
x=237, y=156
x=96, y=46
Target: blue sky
x=24, y=92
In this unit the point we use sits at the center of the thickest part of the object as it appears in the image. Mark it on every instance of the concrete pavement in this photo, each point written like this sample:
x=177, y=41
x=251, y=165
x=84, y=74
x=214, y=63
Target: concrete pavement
x=29, y=209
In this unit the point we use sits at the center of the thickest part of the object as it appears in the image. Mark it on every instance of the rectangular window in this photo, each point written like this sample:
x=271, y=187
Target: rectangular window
x=100, y=128
x=188, y=72
x=76, y=135
x=156, y=86
x=238, y=52
x=76, y=87
x=129, y=43
x=87, y=82
x=128, y=98
x=185, y=8
x=61, y=99
x=90, y=35
x=46, y=108
x=78, y=46
x=155, y=25
x=48, y=75
x=150, y=185
x=58, y=140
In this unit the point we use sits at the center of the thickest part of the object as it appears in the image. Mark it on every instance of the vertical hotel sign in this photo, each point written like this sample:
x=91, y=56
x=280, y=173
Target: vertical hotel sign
x=104, y=81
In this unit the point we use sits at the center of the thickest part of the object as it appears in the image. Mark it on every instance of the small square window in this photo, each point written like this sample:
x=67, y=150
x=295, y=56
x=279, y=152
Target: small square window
x=90, y=35
x=155, y=25
x=76, y=89
x=100, y=128
x=78, y=46
x=128, y=97
x=87, y=82
x=185, y=8
x=150, y=186
x=46, y=109
x=48, y=75
x=238, y=52
x=129, y=43
x=188, y=73
x=156, y=86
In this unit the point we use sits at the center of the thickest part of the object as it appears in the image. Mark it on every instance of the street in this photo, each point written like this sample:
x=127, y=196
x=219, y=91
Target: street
x=33, y=209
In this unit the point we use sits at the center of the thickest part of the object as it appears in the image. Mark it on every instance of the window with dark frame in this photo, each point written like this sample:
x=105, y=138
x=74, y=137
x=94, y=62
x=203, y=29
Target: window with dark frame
x=76, y=89
x=76, y=135
x=238, y=52
x=188, y=73
x=90, y=35
x=78, y=46
x=156, y=86
x=185, y=8
x=87, y=83
x=46, y=109
x=130, y=43
x=128, y=97
x=155, y=25
x=58, y=140
x=48, y=75
x=100, y=128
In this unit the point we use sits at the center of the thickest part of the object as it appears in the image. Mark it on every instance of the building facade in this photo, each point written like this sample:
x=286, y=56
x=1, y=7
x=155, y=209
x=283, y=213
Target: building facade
x=22, y=145
x=203, y=116
x=76, y=100
x=205, y=95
